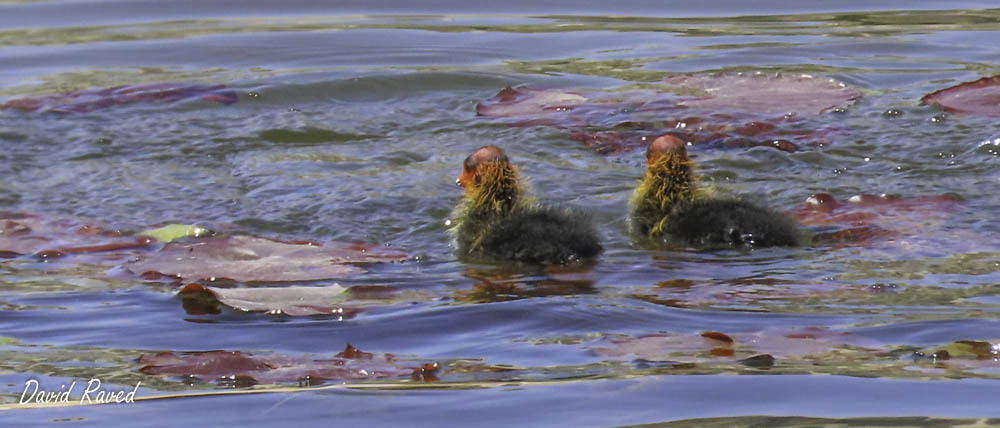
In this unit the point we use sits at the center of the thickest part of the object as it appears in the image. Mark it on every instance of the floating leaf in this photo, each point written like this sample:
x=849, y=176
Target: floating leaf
x=968, y=349
x=173, y=232
x=721, y=337
x=293, y=301
x=50, y=237
x=728, y=110
x=867, y=218
x=978, y=98
x=247, y=258
x=960, y=355
x=752, y=349
x=246, y=369
x=523, y=101
x=765, y=94
x=758, y=361
x=87, y=100
x=659, y=347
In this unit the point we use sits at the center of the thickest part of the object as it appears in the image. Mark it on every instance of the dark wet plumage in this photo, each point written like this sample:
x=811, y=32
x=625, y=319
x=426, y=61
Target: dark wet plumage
x=542, y=235
x=729, y=222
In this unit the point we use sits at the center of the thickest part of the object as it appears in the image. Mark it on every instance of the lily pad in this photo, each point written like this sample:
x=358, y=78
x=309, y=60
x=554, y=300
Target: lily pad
x=741, y=110
x=963, y=349
x=522, y=101
x=292, y=301
x=978, y=98
x=87, y=100
x=331, y=300
x=246, y=369
x=251, y=259
x=51, y=236
x=960, y=355
x=753, y=349
x=866, y=218
x=765, y=94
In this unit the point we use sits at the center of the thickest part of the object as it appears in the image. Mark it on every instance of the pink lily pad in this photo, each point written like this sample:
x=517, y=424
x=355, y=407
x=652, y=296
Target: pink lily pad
x=978, y=98
x=87, y=100
x=50, y=236
x=733, y=110
x=249, y=259
x=511, y=102
x=765, y=94
x=869, y=218
x=246, y=369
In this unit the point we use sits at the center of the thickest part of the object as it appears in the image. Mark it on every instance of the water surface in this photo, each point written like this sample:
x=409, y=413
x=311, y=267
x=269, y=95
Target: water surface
x=351, y=125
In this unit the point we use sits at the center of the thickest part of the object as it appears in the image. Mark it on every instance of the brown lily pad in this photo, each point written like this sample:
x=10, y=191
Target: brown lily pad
x=246, y=369
x=87, y=100
x=51, y=236
x=742, y=110
x=251, y=259
x=721, y=337
x=978, y=98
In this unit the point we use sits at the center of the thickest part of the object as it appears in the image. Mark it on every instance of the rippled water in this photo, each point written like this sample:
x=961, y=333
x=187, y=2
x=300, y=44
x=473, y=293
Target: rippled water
x=351, y=125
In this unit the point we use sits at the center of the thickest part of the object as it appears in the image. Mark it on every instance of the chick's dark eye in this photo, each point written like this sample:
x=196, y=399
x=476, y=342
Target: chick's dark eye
x=470, y=162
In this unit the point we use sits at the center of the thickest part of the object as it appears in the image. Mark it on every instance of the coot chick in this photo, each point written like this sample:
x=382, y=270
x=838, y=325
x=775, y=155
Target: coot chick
x=497, y=219
x=668, y=205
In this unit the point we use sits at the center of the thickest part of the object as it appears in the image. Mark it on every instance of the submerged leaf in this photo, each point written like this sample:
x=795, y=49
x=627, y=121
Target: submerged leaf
x=87, y=100
x=978, y=98
x=247, y=258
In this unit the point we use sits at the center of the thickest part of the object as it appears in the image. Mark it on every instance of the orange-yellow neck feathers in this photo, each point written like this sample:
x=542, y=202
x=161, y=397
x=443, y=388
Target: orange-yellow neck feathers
x=669, y=179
